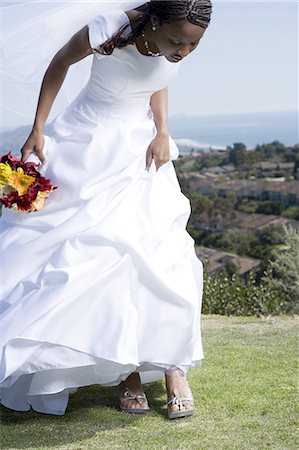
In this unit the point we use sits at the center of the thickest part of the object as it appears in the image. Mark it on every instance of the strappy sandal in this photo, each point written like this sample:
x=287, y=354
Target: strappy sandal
x=177, y=400
x=129, y=395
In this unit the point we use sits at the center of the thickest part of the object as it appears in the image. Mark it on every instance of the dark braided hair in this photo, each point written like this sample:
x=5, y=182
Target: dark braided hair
x=198, y=12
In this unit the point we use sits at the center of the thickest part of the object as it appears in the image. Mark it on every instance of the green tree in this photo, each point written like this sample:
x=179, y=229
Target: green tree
x=270, y=207
x=243, y=242
x=271, y=151
x=296, y=166
x=270, y=235
x=236, y=153
x=231, y=268
x=292, y=212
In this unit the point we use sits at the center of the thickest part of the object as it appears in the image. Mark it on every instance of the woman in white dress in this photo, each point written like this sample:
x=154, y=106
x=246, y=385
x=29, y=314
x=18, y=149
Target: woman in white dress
x=103, y=286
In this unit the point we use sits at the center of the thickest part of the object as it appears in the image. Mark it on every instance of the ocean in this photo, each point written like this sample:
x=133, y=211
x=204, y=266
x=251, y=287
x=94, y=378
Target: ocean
x=204, y=132
x=250, y=129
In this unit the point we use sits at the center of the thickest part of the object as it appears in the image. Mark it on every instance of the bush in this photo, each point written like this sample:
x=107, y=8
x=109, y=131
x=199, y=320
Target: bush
x=292, y=212
x=277, y=292
x=270, y=207
x=233, y=296
x=284, y=266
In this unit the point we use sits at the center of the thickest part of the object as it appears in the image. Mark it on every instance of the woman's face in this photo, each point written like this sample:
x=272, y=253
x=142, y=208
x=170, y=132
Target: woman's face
x=177, y=39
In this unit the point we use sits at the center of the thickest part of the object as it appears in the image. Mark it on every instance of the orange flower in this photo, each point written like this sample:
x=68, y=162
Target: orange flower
x=40, y=201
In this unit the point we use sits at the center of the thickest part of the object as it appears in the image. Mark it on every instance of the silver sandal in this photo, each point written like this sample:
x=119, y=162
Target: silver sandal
x=177, y=400
x=129, y=395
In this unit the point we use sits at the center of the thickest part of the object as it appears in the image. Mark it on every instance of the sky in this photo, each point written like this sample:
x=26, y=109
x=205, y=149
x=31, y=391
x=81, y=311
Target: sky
x=247, y=61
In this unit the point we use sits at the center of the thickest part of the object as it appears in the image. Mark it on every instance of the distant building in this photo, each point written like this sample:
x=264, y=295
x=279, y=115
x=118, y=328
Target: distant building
x=254, y=221
x=215, y=261
x=267, y=168
x=286, y=193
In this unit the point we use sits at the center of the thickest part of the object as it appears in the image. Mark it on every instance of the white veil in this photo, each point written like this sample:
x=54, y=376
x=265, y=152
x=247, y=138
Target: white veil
x=32, y=33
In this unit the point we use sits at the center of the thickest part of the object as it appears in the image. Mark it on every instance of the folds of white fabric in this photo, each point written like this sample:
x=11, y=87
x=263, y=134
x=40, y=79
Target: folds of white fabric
x=104, y=280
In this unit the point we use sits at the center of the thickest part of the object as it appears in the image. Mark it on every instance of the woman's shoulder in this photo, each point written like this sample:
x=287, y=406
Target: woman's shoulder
x=132, y=15
x=104, y=25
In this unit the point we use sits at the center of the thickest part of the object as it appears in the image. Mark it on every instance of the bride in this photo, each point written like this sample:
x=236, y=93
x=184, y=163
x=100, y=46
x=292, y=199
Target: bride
x=103, y=286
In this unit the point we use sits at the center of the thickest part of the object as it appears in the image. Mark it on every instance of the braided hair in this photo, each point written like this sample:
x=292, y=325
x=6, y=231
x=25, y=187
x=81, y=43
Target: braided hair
x=198, y=12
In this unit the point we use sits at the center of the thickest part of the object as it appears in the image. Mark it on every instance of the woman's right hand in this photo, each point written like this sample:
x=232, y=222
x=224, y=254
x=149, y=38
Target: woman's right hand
x=34, y=144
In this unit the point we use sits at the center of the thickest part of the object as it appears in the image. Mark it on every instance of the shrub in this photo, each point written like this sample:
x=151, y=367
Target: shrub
x=277, y=292
x=234, y=296
x=284, y=266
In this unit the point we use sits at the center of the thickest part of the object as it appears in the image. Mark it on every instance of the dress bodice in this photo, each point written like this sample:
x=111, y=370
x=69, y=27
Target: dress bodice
x=126, y=75
x=120, y=85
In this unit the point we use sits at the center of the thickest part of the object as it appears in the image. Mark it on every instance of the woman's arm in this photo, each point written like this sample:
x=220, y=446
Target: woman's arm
x=159, y=105
x=159, y=147
x=76, y=49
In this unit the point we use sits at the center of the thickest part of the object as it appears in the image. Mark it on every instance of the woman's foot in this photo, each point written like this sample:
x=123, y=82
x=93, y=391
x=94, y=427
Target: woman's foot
x=177, y=386
x=133, y=383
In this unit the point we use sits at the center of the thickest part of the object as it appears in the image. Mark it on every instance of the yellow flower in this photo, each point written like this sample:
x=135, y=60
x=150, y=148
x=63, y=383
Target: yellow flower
x=5, y=173
x=18, y=180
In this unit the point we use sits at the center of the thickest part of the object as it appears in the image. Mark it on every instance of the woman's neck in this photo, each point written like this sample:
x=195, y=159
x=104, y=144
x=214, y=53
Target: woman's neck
x=148, y=34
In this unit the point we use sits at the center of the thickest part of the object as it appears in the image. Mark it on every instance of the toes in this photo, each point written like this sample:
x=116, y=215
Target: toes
x=184, y=405
x=187, y=405
x=174, y=408
x=127, y=403
x=134, y=404
x=141, y=405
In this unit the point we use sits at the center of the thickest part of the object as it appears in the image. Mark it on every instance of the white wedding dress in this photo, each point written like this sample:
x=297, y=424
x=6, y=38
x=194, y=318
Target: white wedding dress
x=104, y=280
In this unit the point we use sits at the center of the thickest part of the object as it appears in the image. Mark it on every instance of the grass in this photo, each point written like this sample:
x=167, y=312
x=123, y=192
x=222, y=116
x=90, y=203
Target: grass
x=245, y=393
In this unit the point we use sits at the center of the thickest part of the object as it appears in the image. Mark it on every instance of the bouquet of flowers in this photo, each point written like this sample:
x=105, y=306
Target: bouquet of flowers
x=22, y=187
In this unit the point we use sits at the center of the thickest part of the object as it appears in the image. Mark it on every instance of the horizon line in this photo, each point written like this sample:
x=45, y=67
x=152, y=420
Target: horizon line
x=181, y=115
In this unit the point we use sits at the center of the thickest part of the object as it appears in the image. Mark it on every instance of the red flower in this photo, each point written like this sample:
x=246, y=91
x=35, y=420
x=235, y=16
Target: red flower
x=29, y=169
x=24, y=202
x=8, y=199
x=12, y=160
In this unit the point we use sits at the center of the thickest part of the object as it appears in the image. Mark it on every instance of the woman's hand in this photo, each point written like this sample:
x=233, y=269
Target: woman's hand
x=34, y=144
x=158, y=150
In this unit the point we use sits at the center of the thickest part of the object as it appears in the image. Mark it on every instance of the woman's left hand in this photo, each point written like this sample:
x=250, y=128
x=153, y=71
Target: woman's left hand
x=158, y=150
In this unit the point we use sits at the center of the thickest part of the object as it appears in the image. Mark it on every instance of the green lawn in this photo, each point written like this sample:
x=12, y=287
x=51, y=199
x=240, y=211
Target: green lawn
x=245, y=394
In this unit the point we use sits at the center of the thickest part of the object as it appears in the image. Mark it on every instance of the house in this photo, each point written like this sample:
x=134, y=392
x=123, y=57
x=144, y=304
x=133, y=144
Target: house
x=267, y=168
x=215, y=261
x=256, y=221
x=285, y=192
x=229, y=168
x=217, y=170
